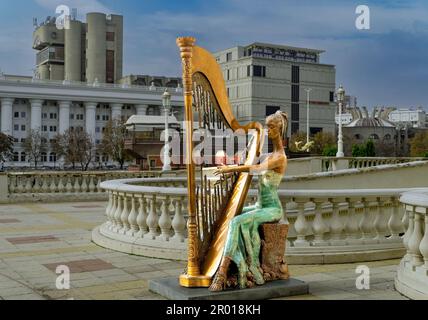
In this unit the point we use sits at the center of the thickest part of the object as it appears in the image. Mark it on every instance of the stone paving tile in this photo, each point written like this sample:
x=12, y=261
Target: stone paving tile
x=24, y=275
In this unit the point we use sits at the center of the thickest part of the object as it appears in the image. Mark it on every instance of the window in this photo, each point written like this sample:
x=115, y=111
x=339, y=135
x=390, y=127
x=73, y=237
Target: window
x=44, y=128
x=357, y=136
x=97, y=142
x=79, y=116
x=110, y=36
x=97, y=129
x=98, y=117
x=374, y=136
x=228, y=74
x=16, y=140
x=228, y=56
x=228, y=92
x=271, y=110
x=259, y=71
x=52, y=157
x=104, y=158
x=16, y=115
x=295, y=116
x=44, y=157
x=23, y=140
x=16, y=127
x=248, y=71
x=387, y=137
x=53, y=116
x=106, y=117
x=295, y=93
x=23, y=157
x=314, y=130
x=15, y=156
x=331, y=96
x=23, y=114
x=44, y=140
x=104, y=129
x=23, y=127
x=294, y=127
x=71, y=116
x=110, y=66
x=52, y=128
x=295, y=74
x=44, y=115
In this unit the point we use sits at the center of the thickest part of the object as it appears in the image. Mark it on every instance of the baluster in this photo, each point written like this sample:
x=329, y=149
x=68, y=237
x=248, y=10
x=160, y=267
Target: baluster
x=395, y=225
x=52, y=185
x=11, y=183
x=366, y=224
x=125, y=215
x=36, y=185
x=415, y=240
x=68, y=186
x=76, y=186
x=152, y=219
x=20, y=187
x=179, y=223
x=336, y=225
x=45, y=184
x=112, y=211
x=165, y=220
x=91, y=184
x=117, y=222
x=109, y=206
x=132, y=219
x=423, y=248
x=379, y=223
x=301, y=225
x=29, y=184
x=142, y=217
x=84, y=186
x=411, y=217
x=319, y=226
x=351, y=227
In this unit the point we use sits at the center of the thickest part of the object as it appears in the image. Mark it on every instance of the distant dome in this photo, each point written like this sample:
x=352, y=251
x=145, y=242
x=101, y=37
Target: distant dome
x=370, y=122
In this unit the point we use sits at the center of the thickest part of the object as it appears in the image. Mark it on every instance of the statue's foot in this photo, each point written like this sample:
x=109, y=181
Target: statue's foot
x=219, y=283
x=242, y=280
x=257, y=275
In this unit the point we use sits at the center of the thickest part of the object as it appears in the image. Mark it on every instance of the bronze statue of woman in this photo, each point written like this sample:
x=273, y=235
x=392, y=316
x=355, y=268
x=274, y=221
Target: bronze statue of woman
x=243, y=240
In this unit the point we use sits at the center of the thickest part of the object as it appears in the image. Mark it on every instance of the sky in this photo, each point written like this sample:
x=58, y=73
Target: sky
x=385, y=65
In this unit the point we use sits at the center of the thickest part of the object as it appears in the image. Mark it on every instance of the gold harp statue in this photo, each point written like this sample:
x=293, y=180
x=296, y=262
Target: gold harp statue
x=213, y=206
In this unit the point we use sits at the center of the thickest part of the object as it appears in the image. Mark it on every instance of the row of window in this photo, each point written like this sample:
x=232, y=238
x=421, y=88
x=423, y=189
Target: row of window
x=51, y=128
x=22, y=157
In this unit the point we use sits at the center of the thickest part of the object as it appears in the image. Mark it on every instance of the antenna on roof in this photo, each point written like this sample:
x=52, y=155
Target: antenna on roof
x=74, y=14
x=35, y=22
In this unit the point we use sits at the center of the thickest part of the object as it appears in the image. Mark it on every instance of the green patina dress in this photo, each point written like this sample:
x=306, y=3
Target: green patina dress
x=243, y=239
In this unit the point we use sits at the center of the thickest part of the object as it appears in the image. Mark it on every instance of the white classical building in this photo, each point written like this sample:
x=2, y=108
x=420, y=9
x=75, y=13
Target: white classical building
x=56, y=106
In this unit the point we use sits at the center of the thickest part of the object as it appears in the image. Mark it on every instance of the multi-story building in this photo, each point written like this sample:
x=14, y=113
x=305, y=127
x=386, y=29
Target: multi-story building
x=263, y=78
x=413, y=118
x=147, y=80
x=54, y=107
x=90, y=52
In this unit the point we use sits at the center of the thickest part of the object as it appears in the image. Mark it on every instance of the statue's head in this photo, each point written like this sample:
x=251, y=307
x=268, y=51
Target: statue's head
x=277, y=125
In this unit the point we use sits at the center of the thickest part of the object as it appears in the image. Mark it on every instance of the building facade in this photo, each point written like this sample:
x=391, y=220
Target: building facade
x=413, y=118
x=263, y=78
x=53, y=108
x=88, y=52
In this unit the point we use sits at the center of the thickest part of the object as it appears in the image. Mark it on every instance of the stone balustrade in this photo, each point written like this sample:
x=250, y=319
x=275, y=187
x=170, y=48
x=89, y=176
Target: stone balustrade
x=326, y=226
x=62, y=186
x=412, y=273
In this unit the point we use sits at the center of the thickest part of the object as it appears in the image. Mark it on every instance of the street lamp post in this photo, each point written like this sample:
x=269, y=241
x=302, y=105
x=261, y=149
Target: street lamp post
x=166, y=102
x=308, y=91
x=340, y=99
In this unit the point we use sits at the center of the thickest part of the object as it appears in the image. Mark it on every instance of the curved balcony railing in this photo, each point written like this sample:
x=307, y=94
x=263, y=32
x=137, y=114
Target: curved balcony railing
x=326, y=226
x=412, y=274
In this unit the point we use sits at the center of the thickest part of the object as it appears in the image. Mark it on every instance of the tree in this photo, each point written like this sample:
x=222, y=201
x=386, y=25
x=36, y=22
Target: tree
x=419, y=145
x=329, y=151
x=76, y=147
x=6, y=147
x=323, y=141
x=370, y=149
x=35, y=145
x=113, y=142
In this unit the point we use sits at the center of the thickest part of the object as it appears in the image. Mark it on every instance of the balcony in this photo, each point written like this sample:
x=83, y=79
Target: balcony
x=50, y=55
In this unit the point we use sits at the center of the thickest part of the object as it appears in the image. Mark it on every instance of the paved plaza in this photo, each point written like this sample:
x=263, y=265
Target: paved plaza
x=36, y=238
